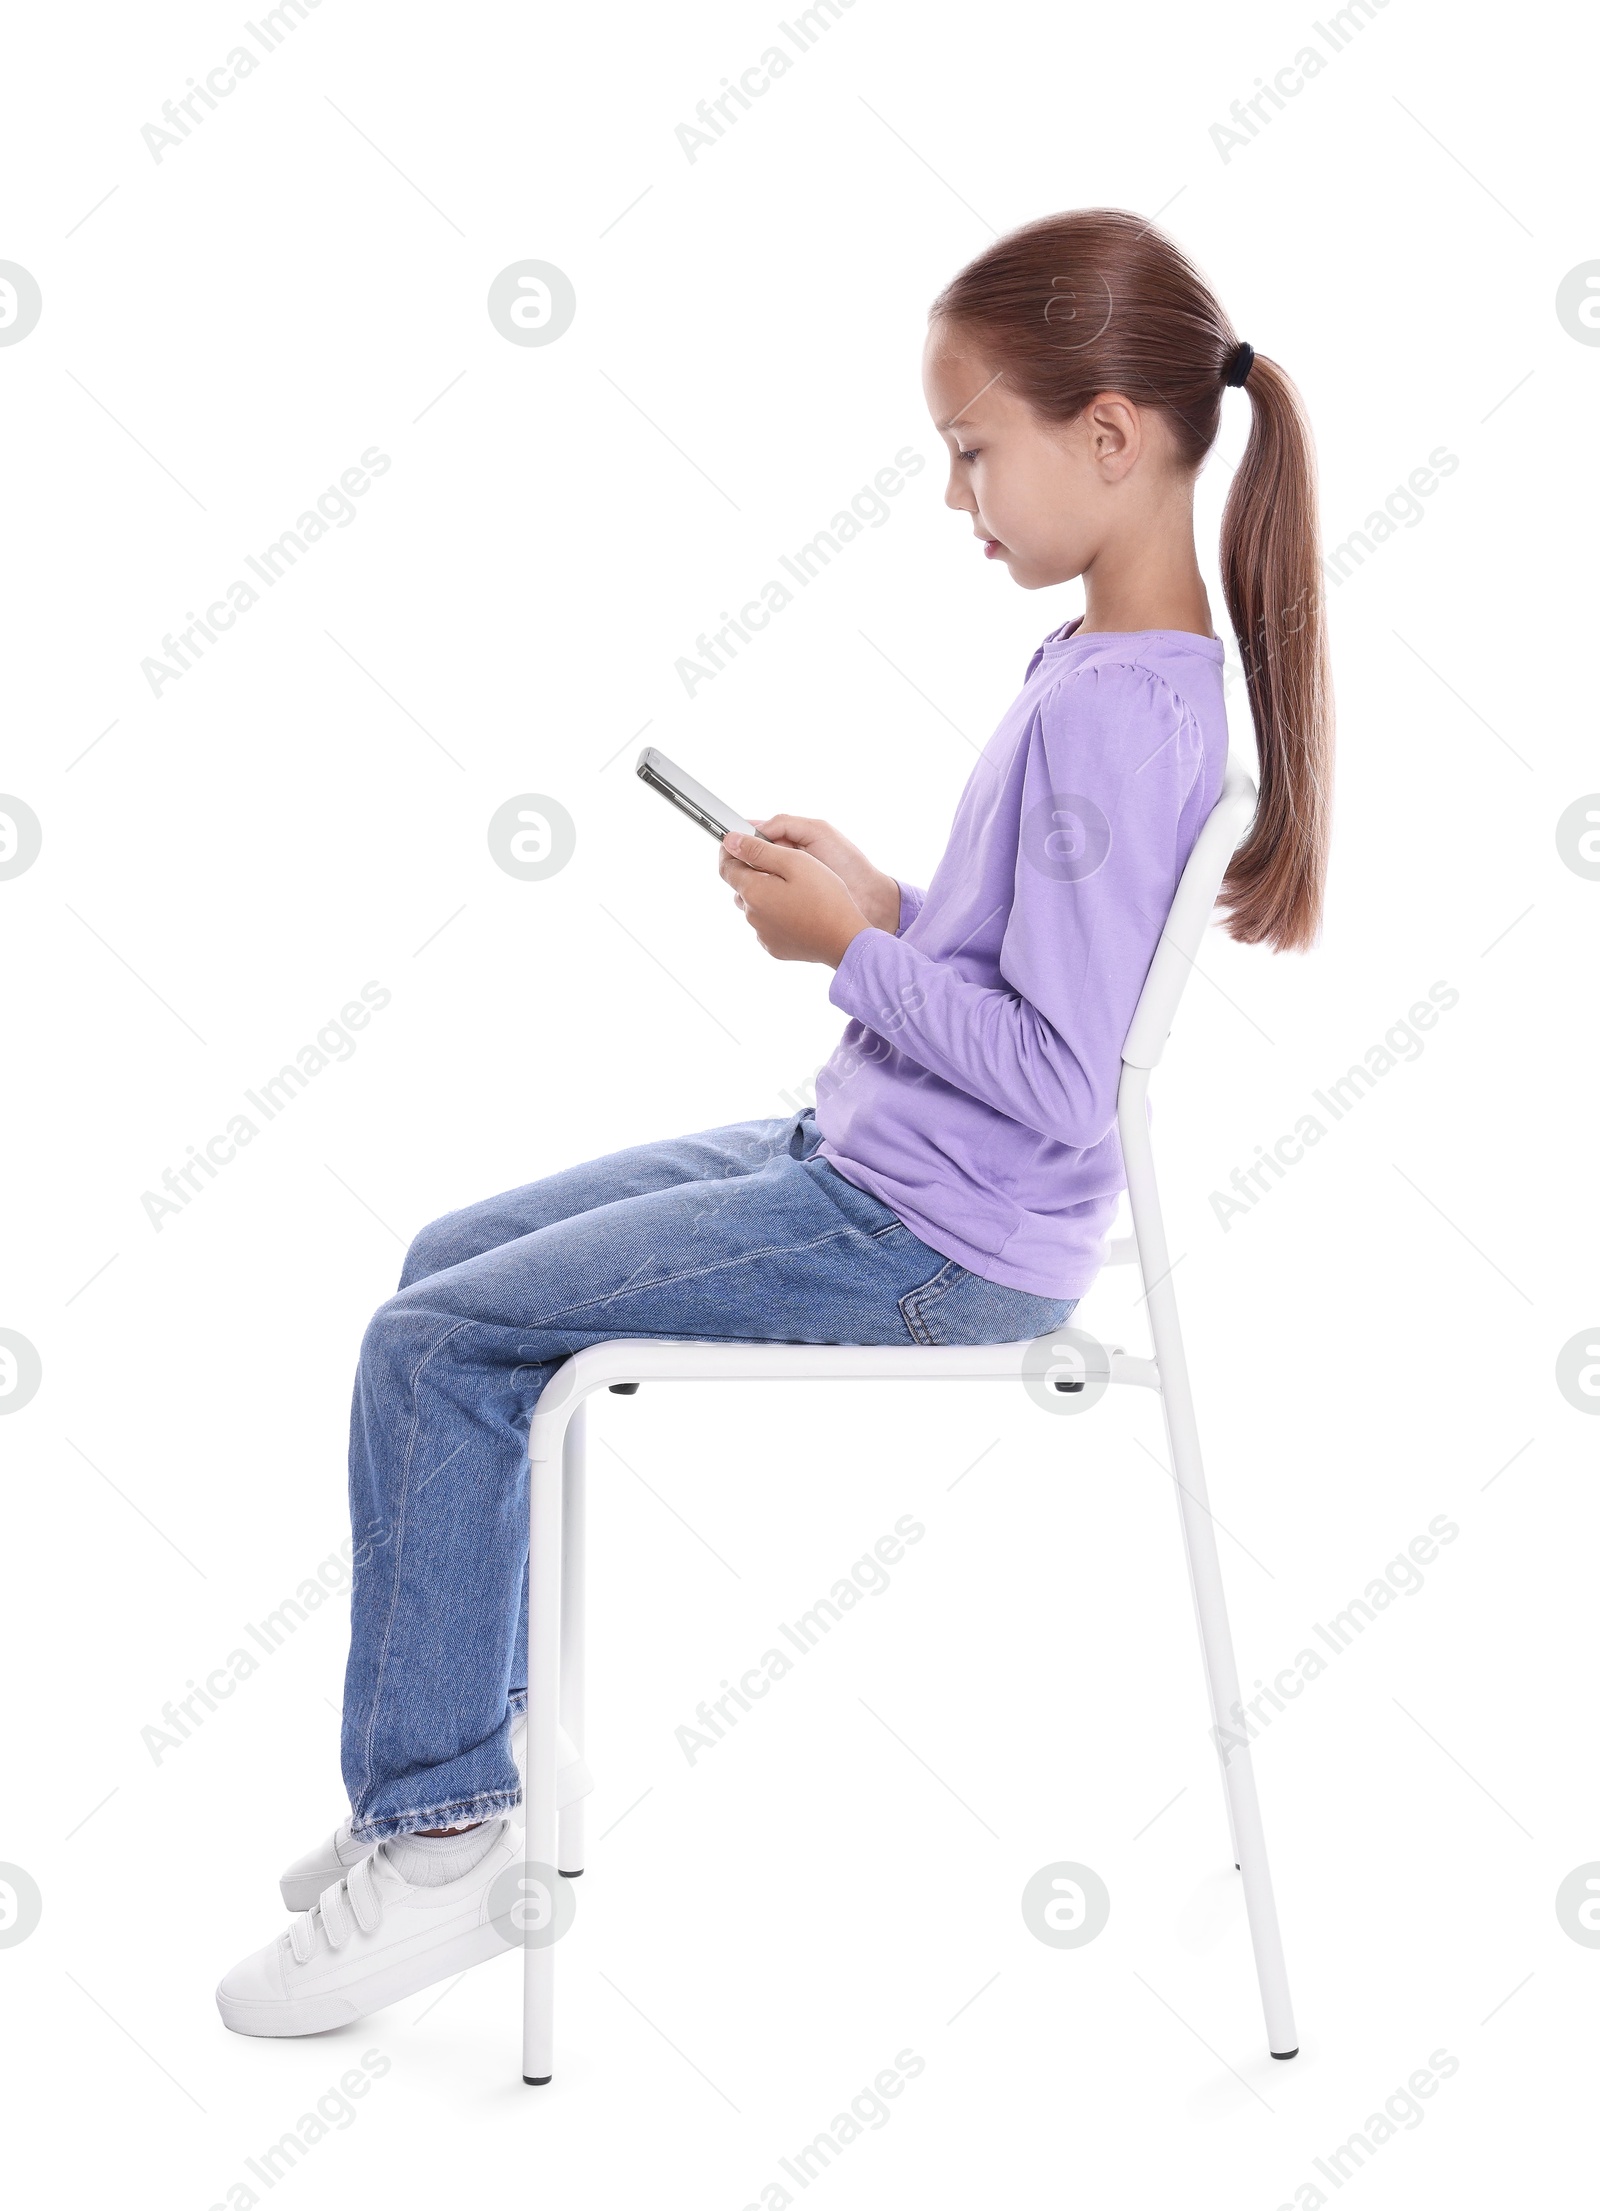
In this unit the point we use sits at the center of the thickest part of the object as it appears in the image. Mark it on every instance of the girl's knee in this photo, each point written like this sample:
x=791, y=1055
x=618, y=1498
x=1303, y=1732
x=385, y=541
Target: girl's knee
x=431, y=1250
x=397, y=1337
x=381, y=1334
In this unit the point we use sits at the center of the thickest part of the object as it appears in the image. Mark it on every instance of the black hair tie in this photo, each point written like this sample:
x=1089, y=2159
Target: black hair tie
x=1239, y=365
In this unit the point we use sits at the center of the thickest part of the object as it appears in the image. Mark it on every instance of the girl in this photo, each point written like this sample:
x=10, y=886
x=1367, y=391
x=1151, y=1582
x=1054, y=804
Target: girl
x=956, y=1179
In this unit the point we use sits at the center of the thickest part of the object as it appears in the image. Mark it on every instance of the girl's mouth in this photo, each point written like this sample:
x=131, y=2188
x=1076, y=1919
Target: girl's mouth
x=992, y=547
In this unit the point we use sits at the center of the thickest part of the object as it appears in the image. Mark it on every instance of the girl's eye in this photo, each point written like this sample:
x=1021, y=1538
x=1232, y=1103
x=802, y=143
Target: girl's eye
x=972, y=456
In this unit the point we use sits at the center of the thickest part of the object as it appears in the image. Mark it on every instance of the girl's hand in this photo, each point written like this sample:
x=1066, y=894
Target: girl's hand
x=876, y=894
x=798, y=908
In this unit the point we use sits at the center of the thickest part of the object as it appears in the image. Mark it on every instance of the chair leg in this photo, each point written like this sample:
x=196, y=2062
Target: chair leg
x=1221, y=1722
x=574, y=1497
x=544, y=1662
x=1205, y=1571
x=1238, y=1778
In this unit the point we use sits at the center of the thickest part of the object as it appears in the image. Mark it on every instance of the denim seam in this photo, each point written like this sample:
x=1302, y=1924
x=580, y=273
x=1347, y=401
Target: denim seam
x=915, y=1329
x=689, y=1274
x=929, y=1294
x=399, y=1549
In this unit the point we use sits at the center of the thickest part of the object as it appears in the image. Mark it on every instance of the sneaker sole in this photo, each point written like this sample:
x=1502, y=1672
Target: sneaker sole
x=388, y=1985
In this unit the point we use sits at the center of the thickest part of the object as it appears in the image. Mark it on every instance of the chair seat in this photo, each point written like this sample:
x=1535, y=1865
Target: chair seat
x=685, y=1359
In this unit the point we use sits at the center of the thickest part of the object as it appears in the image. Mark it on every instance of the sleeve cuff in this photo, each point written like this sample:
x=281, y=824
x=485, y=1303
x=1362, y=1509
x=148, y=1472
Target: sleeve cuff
x=864, y=982
x=910, y=906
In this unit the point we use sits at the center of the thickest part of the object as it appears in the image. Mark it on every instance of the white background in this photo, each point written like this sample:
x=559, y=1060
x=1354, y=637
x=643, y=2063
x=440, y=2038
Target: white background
x=224, y=866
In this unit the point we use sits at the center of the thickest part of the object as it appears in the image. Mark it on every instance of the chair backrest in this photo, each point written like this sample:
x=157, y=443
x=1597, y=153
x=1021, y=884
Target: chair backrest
x=1185, y=930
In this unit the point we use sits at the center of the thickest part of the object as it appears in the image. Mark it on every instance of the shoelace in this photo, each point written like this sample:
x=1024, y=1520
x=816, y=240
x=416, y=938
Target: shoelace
x=351, y=1903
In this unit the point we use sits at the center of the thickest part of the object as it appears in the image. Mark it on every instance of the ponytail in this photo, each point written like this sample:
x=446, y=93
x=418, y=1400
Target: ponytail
x=1164, y=341
x=1272, y=581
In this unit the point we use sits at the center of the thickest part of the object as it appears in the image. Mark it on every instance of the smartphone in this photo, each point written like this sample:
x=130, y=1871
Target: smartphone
x=690, y=797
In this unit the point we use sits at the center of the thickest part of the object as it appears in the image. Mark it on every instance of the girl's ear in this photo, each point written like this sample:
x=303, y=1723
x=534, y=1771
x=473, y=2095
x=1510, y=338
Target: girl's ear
x=1116, y=434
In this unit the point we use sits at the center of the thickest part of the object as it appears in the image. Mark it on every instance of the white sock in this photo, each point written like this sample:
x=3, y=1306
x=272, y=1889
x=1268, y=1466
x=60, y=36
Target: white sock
x=429, y=1861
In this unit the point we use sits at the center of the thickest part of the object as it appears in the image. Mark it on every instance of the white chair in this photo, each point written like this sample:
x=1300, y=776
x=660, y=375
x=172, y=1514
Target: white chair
x=556, y=1455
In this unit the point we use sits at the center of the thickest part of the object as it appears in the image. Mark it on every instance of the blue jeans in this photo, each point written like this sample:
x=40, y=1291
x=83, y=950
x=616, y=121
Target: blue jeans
x=741, y=1234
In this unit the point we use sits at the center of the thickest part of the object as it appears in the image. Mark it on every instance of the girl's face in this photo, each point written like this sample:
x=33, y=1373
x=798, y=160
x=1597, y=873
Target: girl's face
x=1047, y=498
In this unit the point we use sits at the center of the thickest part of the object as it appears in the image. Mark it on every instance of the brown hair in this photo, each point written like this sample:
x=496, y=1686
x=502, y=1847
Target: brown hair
x=1097, y=301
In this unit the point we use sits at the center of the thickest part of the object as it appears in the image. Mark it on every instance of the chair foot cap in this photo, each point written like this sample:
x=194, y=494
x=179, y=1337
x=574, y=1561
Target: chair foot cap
x=1295, y=2052
x=575, y=1873
x=624, y=1389
x=537, y=2080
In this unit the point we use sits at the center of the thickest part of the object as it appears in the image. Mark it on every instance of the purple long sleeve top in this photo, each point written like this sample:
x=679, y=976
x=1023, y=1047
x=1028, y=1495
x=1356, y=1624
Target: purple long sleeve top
x=975, y=1088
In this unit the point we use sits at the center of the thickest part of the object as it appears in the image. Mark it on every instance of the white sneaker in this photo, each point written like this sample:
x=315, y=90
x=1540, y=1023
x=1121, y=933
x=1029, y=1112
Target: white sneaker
x=372, y=1939
x=303, y=1882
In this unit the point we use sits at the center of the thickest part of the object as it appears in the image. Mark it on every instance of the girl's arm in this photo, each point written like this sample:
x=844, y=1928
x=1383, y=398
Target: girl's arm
x=1109, y=808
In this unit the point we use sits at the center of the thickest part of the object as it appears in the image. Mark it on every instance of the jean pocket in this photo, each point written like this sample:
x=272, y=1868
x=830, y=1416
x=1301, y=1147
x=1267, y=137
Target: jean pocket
x=956, y=1306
